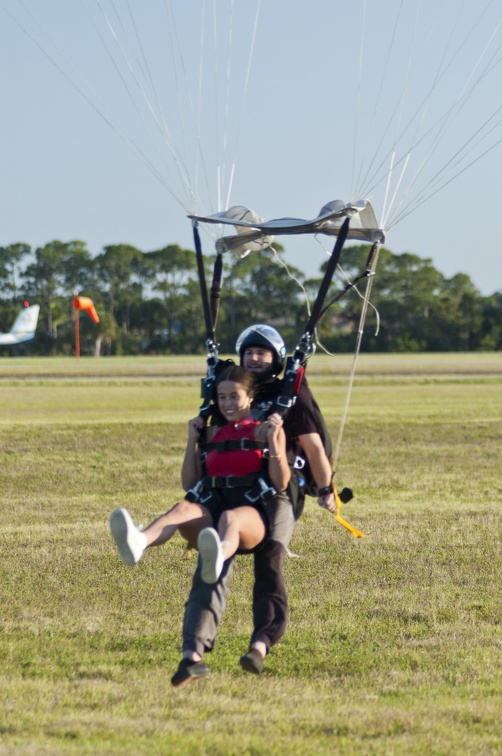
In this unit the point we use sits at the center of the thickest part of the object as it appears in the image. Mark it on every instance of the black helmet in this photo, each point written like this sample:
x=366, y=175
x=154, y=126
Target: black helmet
x=265, y=336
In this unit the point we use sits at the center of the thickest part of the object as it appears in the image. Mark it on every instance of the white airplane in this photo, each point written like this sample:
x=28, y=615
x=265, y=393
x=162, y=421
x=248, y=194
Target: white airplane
x=24, y=327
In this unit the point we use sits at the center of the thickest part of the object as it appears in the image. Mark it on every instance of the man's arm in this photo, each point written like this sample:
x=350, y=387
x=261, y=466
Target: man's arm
x=320, y=467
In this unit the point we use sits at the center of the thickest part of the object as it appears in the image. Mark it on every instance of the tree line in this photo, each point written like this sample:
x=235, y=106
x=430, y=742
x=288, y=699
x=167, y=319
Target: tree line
x=150, y=303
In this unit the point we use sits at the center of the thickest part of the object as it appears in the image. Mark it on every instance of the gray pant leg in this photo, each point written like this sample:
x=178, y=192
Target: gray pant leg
x=270, y=603
x=281, y=519
x=204, y=609
x=207, y=603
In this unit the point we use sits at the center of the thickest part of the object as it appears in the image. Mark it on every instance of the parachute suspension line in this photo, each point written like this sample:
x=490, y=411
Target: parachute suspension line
x=456, y=159
x=371, y=265
x=412, y=206
x=216, y=75
x=244, y=97
x=367, y=187
x=437, y=129
x=199, y=155
x=398, y=184
x=360, y=180
x=440, y=178
x=399, y=108
x=181, y=158
x=293, y=278
x=459, y=156
x=361, y=189
x=371, y=181
x=149, y=101
x=201, y=165
x=129, y=65
x=192, y=185
x=87, y=92
x=387, y=187
x=358, y=99
x=226, y=163
x=226, y=109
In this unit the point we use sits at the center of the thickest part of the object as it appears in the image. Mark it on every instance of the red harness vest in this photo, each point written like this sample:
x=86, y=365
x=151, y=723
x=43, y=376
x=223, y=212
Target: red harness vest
x=235, y=461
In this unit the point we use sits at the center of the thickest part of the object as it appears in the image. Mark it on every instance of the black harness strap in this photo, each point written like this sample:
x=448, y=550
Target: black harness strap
x=233, y=444
x=259, y=487
x=229, y=481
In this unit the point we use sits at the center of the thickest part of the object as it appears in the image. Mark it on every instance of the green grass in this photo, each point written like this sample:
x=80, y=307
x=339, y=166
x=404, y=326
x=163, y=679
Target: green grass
x=394, y=641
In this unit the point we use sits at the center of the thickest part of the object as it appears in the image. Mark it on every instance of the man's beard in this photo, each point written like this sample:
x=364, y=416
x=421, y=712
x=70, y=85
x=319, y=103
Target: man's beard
x=265, y=375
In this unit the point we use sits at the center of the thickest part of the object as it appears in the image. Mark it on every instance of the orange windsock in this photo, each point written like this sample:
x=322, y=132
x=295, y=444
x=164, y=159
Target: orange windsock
x=86, y=303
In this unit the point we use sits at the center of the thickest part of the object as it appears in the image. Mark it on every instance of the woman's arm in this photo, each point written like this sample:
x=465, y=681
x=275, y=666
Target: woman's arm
x=191, y=470
x=278, y=468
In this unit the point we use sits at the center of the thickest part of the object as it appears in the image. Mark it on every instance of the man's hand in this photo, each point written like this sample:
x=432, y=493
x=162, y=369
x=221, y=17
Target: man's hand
x=328, y=502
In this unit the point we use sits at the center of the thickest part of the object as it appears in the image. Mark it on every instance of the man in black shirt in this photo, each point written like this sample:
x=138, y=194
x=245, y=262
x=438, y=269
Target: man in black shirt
x=262, y=351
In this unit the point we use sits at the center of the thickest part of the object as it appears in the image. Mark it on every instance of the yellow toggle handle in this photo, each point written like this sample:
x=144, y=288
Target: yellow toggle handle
x=355, y=532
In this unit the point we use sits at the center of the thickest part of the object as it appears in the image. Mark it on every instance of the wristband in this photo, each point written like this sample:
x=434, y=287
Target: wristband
x=326, y=490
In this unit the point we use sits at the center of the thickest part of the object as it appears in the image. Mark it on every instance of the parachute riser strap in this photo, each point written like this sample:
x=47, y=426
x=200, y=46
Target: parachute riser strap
x=207, y=383
x=367, y=273
x=305, y=343
x=203, y=287
x=216, y=288
x=295, y=366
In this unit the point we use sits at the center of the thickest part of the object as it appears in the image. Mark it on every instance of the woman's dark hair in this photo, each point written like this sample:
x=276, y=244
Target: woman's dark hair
x=237, y=374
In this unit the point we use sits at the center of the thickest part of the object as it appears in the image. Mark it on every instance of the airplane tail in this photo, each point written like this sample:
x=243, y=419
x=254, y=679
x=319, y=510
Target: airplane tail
x=25, y=324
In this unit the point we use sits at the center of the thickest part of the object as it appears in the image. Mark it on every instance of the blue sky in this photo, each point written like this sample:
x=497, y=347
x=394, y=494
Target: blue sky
x=334, y=90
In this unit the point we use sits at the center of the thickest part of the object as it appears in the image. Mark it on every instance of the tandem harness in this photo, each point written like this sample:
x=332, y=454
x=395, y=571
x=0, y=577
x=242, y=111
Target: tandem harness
x=259, y=487
x=294, y=371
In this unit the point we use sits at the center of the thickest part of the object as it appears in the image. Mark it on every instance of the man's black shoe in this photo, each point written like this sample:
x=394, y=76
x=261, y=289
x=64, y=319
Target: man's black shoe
x=189, y=670
x=252, y=662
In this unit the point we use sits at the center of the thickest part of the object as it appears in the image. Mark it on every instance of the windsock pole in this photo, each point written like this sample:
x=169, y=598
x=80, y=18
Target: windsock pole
x=77, y=333
x=83, y=303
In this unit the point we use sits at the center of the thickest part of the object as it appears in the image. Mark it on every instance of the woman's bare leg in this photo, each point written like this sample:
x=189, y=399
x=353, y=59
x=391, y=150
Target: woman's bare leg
x=240, y=528
x=237, y=528
x=131, y=542
x=185, y=516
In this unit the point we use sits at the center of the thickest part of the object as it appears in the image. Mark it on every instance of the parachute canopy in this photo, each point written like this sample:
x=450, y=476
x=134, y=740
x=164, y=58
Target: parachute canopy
x=254, y=233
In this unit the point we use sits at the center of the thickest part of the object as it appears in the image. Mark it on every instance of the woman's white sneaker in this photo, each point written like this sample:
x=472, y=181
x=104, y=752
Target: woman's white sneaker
x=211, y=555
x=130, y=540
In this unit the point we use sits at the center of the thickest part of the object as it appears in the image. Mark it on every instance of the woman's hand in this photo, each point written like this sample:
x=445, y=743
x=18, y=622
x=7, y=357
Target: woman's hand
x=274, y=424
x=194, y=428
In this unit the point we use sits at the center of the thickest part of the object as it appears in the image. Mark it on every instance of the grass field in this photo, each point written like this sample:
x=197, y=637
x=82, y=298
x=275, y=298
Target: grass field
x=394, y=641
